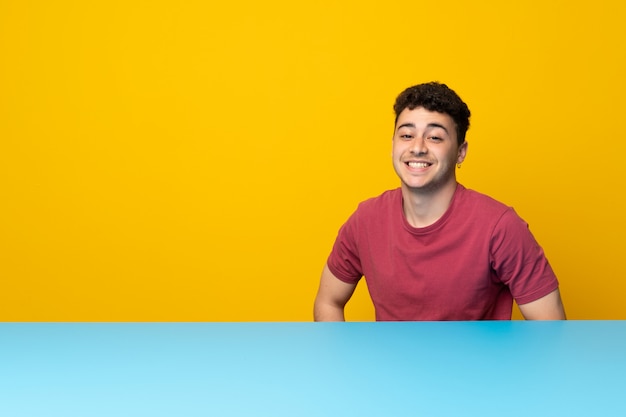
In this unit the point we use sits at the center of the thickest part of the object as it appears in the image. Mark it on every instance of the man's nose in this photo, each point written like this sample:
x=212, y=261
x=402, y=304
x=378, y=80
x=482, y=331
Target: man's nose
x=418, y=147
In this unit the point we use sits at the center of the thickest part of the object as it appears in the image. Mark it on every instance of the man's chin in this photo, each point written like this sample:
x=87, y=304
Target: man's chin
x=427, y=187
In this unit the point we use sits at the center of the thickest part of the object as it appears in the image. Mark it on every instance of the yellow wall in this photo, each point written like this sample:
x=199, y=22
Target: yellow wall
x=180, y=160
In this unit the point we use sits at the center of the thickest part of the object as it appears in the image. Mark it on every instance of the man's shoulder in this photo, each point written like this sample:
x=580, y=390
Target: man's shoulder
x=485, y=210
x=480, y=200
x=382, y=201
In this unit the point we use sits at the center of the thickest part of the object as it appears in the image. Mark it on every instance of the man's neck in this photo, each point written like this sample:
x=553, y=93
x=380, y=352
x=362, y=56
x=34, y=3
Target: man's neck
x=424, y=207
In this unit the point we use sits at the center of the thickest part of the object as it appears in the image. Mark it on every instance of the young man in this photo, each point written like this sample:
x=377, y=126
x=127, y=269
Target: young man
x=433, y=249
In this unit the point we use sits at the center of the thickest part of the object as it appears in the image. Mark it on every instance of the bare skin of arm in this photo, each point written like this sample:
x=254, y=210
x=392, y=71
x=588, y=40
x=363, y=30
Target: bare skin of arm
x=332, y=296
x=549, y=307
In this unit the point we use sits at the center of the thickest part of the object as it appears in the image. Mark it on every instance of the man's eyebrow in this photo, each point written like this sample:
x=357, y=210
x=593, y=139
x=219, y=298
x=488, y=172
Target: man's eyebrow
x=411, y=125
x=434, y=125
x=428, y=126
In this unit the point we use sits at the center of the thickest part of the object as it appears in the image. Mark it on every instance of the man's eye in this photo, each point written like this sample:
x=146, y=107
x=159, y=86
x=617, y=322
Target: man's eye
x=435, y=138
x=406, y=136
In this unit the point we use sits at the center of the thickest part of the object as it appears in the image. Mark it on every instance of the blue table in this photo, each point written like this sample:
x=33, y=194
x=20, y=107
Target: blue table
x=574, y=368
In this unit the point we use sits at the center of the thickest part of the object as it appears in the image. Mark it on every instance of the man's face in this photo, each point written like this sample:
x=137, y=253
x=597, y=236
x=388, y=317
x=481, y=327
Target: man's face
x=425, y=149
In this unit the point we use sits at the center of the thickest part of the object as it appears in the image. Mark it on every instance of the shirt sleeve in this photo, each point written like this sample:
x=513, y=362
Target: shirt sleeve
x=519, y=261
x=344, y=260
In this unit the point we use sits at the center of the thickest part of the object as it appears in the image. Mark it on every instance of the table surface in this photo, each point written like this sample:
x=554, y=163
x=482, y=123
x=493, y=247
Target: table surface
x=516, y=368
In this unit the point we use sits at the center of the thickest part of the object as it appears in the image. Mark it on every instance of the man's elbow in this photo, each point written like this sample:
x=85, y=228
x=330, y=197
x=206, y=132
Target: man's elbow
x=328, y=311
x=549, y=307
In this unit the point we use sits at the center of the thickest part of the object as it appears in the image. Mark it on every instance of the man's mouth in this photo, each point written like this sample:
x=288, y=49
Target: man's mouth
x=413, y=164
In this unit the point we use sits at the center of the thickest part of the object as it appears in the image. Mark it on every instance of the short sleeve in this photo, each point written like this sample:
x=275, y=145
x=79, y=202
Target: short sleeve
x=344, y=260
x=518, y=260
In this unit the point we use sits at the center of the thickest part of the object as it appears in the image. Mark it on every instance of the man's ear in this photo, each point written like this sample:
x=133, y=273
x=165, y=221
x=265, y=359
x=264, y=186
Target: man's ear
x=462, y=153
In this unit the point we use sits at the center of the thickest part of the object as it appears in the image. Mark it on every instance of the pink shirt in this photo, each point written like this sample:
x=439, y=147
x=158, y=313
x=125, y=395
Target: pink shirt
x=469, y=265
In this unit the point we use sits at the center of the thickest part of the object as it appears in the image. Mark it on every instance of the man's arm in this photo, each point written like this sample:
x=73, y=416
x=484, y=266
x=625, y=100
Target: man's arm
x=332, y=296
x=549, y=307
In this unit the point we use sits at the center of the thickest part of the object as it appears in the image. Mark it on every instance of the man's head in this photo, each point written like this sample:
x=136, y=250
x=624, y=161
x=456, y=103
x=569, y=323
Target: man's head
x=436, y=97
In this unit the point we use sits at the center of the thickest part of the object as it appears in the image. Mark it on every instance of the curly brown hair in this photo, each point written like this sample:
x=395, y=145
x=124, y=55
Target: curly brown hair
x=434, y=96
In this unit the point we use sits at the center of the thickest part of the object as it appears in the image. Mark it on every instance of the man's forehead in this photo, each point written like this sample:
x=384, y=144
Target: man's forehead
x=411, y=117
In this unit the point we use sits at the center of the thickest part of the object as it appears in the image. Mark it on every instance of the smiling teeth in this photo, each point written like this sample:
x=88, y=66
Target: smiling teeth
x=418, y=164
